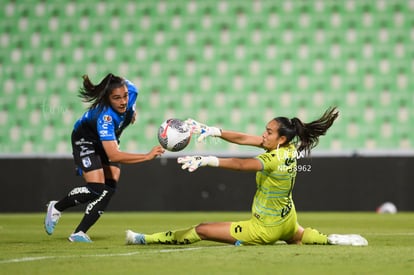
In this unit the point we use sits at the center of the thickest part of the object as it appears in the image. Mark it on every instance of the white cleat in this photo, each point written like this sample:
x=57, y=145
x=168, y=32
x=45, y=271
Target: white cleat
x=52, y=217
x=134, y=238
x=351, y=239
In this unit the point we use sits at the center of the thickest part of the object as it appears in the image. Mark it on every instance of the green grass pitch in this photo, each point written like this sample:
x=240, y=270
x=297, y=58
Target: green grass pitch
x=26, y=249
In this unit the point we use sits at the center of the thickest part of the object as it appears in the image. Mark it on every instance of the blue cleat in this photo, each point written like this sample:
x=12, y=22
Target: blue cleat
x=79, y=237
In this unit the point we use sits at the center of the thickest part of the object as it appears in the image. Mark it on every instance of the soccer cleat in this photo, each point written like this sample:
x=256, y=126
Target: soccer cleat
x=134, y=238
x=238, y=243
x=79, y=237
x=352, y=239
x=52, y=217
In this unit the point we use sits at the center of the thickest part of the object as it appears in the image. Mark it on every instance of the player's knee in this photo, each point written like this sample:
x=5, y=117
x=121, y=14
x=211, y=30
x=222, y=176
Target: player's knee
x=202, y=231
x=297, y=237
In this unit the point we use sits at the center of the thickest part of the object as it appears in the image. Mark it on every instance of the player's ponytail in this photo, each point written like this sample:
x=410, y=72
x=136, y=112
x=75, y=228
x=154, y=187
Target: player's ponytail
x=99, y=94
x=307, y=133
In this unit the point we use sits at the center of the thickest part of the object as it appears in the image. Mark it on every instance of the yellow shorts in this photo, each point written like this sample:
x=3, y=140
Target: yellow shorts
x=252, y=232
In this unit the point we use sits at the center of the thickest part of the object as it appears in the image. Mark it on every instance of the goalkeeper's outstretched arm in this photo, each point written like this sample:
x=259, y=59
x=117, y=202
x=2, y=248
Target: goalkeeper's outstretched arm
x=241, y=138
x=239, y=164
x=205, y=131
x=192, y=163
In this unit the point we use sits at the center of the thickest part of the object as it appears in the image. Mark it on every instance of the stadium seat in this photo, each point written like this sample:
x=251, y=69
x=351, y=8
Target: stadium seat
x=234, y=63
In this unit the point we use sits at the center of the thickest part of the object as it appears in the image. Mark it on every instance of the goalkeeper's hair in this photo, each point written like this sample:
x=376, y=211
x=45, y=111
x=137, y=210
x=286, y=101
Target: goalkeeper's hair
x=98, y=95
x=307, y=134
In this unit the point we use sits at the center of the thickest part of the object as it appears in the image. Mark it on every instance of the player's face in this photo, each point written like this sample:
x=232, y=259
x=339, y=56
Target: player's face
x=271, y=137
x=119, y=99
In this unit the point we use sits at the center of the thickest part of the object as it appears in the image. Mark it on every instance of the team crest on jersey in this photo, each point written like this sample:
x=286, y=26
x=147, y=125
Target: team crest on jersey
x=107, y=118
x=86, y=161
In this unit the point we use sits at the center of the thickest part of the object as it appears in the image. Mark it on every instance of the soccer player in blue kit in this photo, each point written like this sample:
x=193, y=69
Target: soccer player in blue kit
x=95, y=145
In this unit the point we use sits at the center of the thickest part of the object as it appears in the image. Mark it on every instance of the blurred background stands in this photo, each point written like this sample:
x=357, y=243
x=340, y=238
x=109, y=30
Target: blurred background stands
x=234, y=64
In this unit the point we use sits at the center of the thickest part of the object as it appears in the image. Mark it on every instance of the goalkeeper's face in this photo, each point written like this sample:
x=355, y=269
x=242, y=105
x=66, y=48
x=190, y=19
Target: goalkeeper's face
x=271, y=138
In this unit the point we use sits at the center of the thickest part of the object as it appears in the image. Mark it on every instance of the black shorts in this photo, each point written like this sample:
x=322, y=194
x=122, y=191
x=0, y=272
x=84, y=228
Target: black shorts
x=89, y=155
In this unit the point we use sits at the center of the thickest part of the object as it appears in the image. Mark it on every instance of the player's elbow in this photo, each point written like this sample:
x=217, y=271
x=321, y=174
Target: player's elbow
x=115, y=156
x=112, y=151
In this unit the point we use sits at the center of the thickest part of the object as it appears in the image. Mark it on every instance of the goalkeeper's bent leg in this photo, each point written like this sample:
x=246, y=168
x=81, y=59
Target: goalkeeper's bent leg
x=184, y=236
x=313, y=236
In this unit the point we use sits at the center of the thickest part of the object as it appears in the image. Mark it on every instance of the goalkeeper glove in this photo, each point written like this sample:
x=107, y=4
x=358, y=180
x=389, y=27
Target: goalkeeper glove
x=193, y=162
x=202, y=129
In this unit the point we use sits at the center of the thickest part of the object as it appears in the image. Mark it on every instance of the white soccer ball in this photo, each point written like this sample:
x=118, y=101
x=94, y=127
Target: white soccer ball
x=387, y=208
x=174, y=135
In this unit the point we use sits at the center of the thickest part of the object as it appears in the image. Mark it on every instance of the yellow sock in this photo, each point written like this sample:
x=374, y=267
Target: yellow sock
x=312, y=236
x=185, y=236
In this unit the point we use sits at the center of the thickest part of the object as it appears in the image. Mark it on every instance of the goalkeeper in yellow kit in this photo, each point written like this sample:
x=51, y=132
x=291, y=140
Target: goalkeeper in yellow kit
x=273, y=211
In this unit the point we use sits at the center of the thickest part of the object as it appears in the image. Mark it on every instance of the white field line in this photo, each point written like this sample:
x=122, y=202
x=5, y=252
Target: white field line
x=391, y=234
x=31, y=259
x=40, y=258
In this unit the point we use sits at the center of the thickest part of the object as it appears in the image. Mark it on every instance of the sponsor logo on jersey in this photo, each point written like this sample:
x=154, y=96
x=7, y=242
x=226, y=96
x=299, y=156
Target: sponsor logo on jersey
x=104, y=133
x=107, y=118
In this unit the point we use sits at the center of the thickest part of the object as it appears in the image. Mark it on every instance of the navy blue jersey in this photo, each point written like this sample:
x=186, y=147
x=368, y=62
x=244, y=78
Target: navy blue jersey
x=106, y=124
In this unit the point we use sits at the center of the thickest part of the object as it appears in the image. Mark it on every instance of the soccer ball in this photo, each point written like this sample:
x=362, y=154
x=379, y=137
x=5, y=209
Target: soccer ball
x=174, y=135
x=387, y=208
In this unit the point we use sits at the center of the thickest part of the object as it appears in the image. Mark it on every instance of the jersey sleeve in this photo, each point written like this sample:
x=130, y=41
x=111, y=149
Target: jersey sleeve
x=106, y=127
x=268, y=160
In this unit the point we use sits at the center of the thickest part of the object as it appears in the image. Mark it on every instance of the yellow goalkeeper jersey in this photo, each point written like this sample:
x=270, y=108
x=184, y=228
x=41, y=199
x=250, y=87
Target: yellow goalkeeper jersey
x=273, y=199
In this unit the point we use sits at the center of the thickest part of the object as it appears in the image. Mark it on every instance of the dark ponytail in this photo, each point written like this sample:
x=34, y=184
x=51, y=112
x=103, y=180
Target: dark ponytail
x=307, y=133
x=98, y=95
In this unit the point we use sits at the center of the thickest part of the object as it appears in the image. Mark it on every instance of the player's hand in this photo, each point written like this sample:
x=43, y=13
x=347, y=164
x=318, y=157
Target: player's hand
x=156, y=152
x=193, y=162
x=202, y=129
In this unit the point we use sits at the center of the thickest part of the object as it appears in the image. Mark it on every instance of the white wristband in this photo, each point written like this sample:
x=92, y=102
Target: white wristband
x=216, y=131
x=212, y=161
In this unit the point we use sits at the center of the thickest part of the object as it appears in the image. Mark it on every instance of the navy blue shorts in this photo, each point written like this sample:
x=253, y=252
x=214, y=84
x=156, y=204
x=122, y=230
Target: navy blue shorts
x=89, y=155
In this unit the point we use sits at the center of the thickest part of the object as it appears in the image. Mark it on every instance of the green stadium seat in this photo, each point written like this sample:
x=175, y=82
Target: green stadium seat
x=292, y=58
